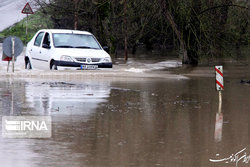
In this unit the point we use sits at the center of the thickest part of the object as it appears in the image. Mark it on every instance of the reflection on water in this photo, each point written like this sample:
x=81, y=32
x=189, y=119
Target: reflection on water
x=140, y=123
x=219, y=119
x=218, y=127
x=66, y=98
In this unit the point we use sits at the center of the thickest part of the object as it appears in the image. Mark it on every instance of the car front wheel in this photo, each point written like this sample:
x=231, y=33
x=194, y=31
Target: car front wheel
x=53, y=66
x=28, y=64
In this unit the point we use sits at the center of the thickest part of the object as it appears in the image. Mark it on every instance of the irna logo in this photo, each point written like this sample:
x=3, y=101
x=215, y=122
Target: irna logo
x=26, y=126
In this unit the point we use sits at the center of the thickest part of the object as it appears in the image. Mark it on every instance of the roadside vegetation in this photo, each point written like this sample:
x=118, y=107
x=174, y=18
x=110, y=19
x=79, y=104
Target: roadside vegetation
x=197, y=29
x=35, y=22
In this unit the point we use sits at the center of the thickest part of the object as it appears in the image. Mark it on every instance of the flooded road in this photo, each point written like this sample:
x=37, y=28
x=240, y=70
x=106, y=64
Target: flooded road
x=137, y=122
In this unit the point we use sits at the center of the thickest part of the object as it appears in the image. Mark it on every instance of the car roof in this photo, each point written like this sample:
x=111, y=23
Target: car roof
x=66, y=31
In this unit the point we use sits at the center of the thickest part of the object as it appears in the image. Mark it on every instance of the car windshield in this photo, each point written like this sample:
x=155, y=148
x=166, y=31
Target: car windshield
x=67, y=40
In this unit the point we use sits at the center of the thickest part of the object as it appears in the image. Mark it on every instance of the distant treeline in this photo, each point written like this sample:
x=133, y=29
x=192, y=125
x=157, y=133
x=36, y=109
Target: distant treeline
x=195, y=27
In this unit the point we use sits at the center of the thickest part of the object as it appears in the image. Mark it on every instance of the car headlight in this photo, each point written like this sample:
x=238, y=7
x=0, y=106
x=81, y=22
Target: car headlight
x=107, y=59
x=66, y=58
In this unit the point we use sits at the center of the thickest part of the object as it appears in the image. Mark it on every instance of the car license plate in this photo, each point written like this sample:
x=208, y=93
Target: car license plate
x=89, y=67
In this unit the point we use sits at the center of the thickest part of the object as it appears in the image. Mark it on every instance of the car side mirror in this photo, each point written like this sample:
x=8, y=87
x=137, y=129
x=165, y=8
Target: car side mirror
x=46, y=46
x=106, y=48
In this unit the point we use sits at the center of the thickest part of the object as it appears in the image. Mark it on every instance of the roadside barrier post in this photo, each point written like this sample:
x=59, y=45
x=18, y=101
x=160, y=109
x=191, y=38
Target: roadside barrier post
x=219, y=115
x=219, y=83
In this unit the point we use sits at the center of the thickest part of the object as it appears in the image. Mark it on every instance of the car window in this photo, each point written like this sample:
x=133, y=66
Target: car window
x=38, y=39
x=46, y=39
x=75, y=41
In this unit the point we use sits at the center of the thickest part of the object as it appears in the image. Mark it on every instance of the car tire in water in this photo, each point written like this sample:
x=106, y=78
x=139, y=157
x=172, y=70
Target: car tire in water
x=28, y=64
x=53, y=66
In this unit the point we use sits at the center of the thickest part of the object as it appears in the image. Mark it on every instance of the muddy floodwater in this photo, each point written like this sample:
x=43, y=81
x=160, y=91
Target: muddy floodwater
x=132, y=121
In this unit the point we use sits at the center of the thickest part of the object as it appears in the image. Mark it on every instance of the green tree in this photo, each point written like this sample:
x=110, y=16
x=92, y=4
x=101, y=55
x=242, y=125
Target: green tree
x=201, y=27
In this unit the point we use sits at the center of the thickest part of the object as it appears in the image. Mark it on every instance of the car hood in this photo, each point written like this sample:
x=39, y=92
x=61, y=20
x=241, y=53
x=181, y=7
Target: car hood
x=78, y=52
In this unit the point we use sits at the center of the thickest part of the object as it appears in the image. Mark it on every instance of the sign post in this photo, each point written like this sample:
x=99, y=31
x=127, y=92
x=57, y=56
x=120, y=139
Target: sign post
x=13, y=53
x=27, y=10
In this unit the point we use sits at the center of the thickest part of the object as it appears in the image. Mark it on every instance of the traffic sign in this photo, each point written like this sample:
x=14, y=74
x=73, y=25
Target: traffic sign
x=27, y=9
x=8, y=47
x=12, y=47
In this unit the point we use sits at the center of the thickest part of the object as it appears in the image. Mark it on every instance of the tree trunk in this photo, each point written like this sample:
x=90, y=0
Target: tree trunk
x=222, y=22
x=223, y=17
x=224, y=12
x=168, y=15
x=76, y=3
x=192, y=35
x=125, y=31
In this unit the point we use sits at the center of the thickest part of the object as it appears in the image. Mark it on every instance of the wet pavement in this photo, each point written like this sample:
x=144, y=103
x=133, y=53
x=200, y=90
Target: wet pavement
x=132, y=121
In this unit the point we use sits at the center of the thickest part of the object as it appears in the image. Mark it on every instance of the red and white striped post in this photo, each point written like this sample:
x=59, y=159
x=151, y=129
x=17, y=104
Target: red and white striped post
x=219, y=115
x=219, y=83
x=219, y=78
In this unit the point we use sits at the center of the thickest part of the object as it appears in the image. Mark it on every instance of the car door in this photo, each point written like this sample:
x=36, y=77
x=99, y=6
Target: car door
x=45, y=51
x=35, y=51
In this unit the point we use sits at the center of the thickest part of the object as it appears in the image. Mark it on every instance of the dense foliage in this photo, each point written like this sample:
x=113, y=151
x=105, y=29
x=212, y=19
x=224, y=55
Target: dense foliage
x=195, y=27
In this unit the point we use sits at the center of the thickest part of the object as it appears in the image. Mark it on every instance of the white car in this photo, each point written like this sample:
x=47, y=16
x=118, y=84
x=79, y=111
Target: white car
x=54, y=49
